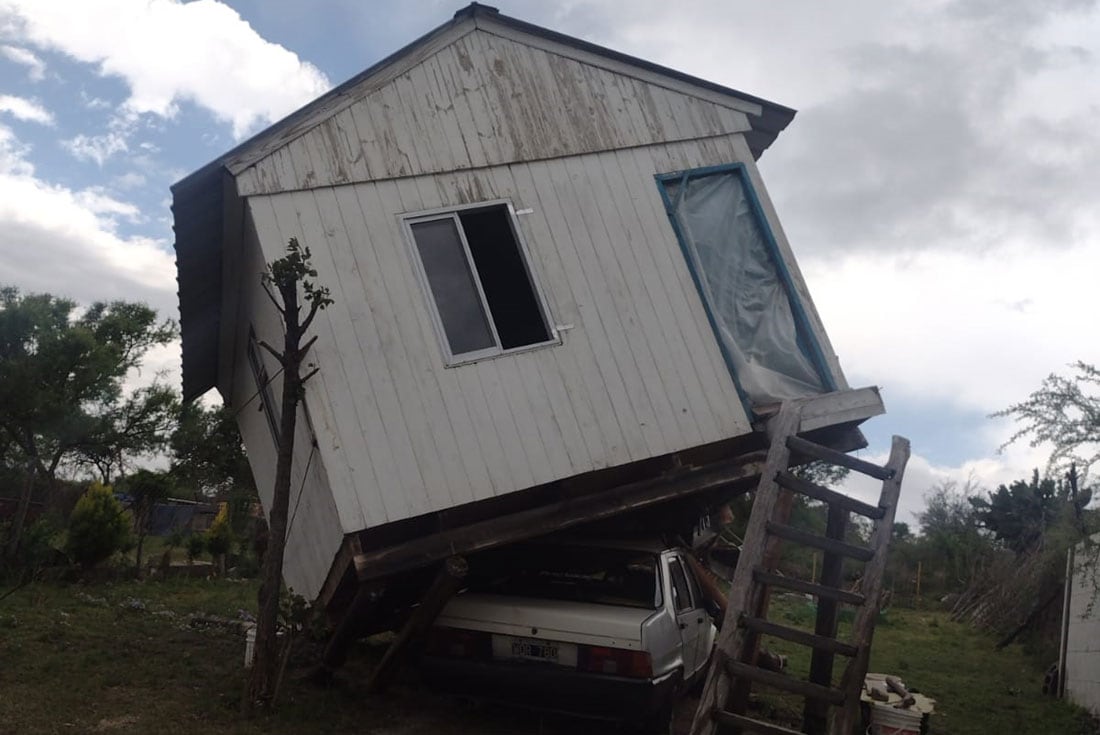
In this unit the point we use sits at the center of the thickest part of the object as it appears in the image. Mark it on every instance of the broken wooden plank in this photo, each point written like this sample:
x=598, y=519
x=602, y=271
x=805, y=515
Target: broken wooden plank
x=442, y=589
x=748, y=724
x=536, y=522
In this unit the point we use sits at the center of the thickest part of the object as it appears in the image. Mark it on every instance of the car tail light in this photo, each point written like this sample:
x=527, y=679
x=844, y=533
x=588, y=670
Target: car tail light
x=616, y=661
x=459, y=643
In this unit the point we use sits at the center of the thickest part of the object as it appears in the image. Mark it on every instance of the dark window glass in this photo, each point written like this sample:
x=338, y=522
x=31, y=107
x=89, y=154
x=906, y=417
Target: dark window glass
x=511, y=306
x=263, y=385
x=504, y=278
x=452, y=286
x=575, y=573
x=681, y=597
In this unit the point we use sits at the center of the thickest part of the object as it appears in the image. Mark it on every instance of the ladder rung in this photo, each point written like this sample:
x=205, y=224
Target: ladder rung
x=748, y=724
x=824, y=494
x=819, y=642
x=828, y=545
x=798, y=585
x=786, y=683
x=811, y=449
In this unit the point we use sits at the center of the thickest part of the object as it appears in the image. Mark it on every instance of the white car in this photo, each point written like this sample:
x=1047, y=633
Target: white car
x=613, y=630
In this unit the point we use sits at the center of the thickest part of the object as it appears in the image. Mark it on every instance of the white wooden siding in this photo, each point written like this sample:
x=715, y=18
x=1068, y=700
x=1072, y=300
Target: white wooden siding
x=638, y=373
x=314, y=532
x=487, y=100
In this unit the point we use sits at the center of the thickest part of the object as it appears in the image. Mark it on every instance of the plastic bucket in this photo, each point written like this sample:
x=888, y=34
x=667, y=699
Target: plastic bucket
x=888, y=720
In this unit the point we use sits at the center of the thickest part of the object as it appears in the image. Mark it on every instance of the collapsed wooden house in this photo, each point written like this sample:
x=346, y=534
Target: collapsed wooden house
x=562, y=294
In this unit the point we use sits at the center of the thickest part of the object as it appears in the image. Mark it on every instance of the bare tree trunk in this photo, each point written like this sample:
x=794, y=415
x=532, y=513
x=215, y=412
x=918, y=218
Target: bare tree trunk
x=15, y=533
x=265, y=668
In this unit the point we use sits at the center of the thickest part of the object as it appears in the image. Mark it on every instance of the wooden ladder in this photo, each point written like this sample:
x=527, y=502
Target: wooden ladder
x=733, y=671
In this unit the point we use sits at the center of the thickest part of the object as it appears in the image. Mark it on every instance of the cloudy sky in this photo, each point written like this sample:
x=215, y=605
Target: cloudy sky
x=940, y=183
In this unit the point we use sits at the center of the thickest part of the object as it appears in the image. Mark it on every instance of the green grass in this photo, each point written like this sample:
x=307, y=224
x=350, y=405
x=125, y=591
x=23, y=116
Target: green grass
x=978, y=690
x=80, y=659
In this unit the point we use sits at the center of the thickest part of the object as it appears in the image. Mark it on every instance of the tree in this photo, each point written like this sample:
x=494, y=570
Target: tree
x=97, y=526
x=146, y=489
x=287, y=276
x=951, y=534
x=1019, y=514
x=127, y=427
x=1064, y=412
x=58, y=370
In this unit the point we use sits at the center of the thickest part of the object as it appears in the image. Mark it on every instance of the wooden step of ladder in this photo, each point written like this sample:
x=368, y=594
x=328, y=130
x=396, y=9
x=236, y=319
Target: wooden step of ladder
x=733, y=671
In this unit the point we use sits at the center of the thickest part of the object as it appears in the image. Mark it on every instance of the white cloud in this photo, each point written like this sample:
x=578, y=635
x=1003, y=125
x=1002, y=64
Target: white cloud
x=977, y=331
x=36, y=68
x=97, y=148
x=169, y=52
x=24, y=109
x=64, y=241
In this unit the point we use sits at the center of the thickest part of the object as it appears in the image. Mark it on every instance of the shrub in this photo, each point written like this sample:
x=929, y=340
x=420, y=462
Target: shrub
x=98, y=526
x=196, y=544
x=219, y=537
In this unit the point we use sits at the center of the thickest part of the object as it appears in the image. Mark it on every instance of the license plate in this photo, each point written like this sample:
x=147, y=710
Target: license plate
x=539, y=650
x=534, y=649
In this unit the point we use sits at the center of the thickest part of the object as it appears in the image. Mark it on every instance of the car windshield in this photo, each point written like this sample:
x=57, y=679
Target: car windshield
x=577, y=573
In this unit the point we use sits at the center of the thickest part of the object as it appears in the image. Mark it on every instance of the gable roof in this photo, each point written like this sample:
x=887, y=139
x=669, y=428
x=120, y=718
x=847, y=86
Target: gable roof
x=199, y=201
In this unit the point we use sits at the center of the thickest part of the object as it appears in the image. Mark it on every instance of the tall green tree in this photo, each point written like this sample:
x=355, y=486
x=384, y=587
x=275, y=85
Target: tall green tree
x=208, y=455
x=59, y=368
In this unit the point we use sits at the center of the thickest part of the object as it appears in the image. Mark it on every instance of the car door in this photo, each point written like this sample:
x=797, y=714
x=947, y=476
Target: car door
x=689, y=615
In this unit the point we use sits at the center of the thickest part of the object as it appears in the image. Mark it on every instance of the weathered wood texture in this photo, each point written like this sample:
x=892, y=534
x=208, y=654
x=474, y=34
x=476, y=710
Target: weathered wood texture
x=486, y=100
x=314, y=533
x=744, y=596
x=638, y=373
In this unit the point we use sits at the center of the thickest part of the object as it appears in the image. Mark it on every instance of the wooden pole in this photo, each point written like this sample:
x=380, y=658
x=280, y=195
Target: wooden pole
x=918, y=581
x=444, y=586
x=354, y=621
x=815, y=713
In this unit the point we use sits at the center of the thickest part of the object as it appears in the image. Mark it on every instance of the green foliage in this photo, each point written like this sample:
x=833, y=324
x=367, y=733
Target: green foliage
x=208, y=455
x=294, y=268
x=951, y=534
x=1020, y=514
x=61, y=376
x=196, y=545
x=98, y=526
x=1064, y=413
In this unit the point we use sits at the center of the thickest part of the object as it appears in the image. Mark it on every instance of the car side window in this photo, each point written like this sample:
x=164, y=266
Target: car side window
x=681, y=594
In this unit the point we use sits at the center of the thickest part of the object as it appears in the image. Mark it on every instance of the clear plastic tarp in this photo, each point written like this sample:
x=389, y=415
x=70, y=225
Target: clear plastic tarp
x=741, y=285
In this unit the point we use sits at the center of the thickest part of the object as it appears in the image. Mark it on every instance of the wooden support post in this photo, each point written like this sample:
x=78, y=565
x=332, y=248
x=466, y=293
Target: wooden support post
x=815, y=714
x=444, y=586
x=348, y=630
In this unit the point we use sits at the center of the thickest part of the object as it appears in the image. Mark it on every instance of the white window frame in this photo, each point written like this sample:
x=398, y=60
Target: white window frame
x=450, y=359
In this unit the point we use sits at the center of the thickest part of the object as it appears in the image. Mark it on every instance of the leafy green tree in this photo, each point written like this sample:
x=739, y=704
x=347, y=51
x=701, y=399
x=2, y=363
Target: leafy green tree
x=1019, y=514
x=146, y=489
x=97, y=527
x=951, y=535
x=58, y=370
x=140, y=424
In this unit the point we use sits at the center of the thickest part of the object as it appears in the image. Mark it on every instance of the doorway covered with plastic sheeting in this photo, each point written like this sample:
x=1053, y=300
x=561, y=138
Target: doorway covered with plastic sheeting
x=746, y=288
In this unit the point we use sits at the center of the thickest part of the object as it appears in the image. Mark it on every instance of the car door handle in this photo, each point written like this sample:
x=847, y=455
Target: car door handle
x=683, y=626
x=699, y=620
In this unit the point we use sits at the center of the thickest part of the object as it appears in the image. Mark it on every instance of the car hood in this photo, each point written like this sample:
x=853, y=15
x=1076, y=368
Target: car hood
x=558, y=620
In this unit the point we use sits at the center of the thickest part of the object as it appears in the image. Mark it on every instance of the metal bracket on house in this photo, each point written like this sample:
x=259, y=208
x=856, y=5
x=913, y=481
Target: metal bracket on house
x=562, y=299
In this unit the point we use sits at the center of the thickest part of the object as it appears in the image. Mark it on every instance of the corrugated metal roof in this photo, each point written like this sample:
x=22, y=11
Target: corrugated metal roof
x=197, y=203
